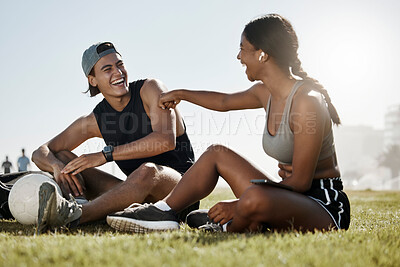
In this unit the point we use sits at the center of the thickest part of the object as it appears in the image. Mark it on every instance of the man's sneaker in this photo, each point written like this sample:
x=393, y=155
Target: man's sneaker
x=4, y=209
x=143, y=218
x=54, y=210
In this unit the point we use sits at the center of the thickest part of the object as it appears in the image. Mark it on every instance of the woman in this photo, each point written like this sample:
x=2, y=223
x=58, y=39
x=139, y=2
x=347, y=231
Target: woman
x=298, y=133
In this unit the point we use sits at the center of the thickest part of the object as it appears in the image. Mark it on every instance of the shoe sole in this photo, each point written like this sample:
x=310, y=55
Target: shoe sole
x=136, y=226
x=47, y=198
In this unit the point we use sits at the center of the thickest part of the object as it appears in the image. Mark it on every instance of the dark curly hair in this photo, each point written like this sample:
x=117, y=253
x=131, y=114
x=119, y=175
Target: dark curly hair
x=274, y=35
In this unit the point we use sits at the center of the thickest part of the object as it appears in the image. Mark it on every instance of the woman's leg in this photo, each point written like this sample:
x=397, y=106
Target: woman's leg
x=280, y=209
x=202, y=177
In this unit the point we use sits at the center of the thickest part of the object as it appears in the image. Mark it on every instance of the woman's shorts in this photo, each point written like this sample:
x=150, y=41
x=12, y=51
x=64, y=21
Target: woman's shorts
x=328, y=193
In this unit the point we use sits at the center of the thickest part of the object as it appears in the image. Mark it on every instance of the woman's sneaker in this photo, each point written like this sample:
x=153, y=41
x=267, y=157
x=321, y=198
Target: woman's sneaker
x=199, y=219
x=54, y=210
x=143, y=219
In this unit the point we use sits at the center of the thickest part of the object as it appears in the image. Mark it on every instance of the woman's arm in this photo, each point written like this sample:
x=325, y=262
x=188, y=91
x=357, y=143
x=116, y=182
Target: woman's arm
x=308, y=121
x=248, y=99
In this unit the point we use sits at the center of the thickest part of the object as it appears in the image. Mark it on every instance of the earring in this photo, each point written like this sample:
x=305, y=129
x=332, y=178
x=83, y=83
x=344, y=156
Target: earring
x=261, y=56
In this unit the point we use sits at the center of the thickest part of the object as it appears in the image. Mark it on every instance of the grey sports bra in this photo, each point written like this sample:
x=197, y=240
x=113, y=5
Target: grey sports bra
x=280, y=146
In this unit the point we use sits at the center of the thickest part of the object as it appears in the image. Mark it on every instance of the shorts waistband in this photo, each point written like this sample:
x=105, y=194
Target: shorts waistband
x=334, y=183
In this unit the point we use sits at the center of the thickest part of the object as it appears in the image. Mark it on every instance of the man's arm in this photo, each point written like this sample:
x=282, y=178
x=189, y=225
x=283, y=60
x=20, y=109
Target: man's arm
x=162, y=139
x=74, y=135
x=163, y=124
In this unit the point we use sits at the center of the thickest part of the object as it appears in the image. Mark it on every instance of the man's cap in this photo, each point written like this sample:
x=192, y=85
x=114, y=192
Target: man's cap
x=93, y=54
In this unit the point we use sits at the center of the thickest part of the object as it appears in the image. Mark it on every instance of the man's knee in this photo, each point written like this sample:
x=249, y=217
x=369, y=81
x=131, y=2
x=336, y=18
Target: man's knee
x=65, y=156
x=146, y=173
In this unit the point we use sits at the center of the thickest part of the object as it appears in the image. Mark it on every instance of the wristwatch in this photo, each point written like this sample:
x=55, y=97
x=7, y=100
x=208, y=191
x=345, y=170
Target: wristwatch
x=107, y=152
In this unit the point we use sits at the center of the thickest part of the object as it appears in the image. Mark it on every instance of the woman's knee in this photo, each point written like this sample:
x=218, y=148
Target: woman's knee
x=216, y=150
x=253, y=201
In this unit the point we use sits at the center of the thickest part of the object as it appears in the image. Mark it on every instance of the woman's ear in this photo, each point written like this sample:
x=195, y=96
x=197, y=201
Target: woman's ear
x=263, y=57
x=92, y=80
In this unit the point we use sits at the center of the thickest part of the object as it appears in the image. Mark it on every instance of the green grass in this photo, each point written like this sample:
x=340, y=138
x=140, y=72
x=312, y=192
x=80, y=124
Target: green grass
x=373, y=240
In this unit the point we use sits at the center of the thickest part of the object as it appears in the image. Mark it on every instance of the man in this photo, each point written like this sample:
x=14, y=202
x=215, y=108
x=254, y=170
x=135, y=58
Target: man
x=149, y=144
x=23, y=162
x=6, y=165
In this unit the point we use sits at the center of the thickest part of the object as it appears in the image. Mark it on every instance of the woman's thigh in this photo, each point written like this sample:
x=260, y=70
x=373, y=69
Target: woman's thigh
x=283, y=209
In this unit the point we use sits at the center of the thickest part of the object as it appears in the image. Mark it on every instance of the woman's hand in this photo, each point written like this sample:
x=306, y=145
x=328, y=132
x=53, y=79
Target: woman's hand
x=168, y=100
x=223, y=211
x=285, y=171
x=84, y=162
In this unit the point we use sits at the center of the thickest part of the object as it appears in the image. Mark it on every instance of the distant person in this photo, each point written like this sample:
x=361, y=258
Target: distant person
x=298, y=133
x=149, y=144
x=6, y=165
x=23, y=162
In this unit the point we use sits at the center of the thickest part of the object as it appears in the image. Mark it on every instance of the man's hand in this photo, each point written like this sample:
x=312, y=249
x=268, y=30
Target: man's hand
x=223, y=211
x=285, y=171
x=69, y=184
x=84, y=162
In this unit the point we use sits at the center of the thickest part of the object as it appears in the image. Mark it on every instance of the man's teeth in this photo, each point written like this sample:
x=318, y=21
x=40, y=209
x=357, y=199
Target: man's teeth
x=118, y=81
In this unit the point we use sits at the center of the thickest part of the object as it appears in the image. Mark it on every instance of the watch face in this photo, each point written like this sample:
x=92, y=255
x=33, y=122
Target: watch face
x=107, y=149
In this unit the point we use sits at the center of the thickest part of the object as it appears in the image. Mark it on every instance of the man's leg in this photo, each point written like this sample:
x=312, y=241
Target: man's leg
x=149, y=183
x=95, y=181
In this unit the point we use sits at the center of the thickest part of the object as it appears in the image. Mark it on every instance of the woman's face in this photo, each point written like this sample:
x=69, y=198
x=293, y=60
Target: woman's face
x=110, y=76
x=249, y=57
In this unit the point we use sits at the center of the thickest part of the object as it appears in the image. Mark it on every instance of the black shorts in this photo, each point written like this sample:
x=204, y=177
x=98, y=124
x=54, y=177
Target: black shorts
x=329, y=194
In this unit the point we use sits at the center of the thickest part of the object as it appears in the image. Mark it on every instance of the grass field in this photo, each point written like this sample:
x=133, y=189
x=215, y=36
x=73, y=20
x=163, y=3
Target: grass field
x=373, y=240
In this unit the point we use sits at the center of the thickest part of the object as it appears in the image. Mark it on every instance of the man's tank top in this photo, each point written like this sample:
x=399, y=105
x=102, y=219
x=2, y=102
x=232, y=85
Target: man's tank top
x=280, y=146
x=131, y=124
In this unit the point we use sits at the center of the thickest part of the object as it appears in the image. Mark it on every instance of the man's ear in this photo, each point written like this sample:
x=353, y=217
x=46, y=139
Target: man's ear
x=92, y=80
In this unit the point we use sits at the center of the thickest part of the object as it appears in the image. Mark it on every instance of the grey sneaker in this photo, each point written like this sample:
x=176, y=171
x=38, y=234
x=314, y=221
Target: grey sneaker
x=143, y=219
x=54, y=210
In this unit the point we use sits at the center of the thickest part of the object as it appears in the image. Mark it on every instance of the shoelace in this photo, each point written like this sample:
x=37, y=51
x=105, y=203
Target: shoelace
x=210, y=226
x=134, y=205
x=68, y=207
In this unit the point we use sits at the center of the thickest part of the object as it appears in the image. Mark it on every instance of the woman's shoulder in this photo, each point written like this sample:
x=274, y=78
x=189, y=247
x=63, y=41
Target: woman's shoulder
x=308, y=99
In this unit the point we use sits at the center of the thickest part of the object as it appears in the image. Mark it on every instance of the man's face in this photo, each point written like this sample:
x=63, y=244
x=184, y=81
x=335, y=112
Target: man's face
x=110, y=76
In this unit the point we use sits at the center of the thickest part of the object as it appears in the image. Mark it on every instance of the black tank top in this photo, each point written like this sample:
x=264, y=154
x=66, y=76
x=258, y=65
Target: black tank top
x=132, y=123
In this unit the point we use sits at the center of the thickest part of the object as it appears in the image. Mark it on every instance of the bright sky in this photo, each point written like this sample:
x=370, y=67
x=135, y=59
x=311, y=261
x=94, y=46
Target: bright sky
x=352, y=47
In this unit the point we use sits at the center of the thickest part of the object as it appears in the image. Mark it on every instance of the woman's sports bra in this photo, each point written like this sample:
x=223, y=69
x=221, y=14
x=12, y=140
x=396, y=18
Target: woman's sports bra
x=280, y=146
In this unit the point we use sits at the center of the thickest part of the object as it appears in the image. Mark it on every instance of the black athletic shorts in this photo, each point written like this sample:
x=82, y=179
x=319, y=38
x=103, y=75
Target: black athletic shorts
x=329, y=194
